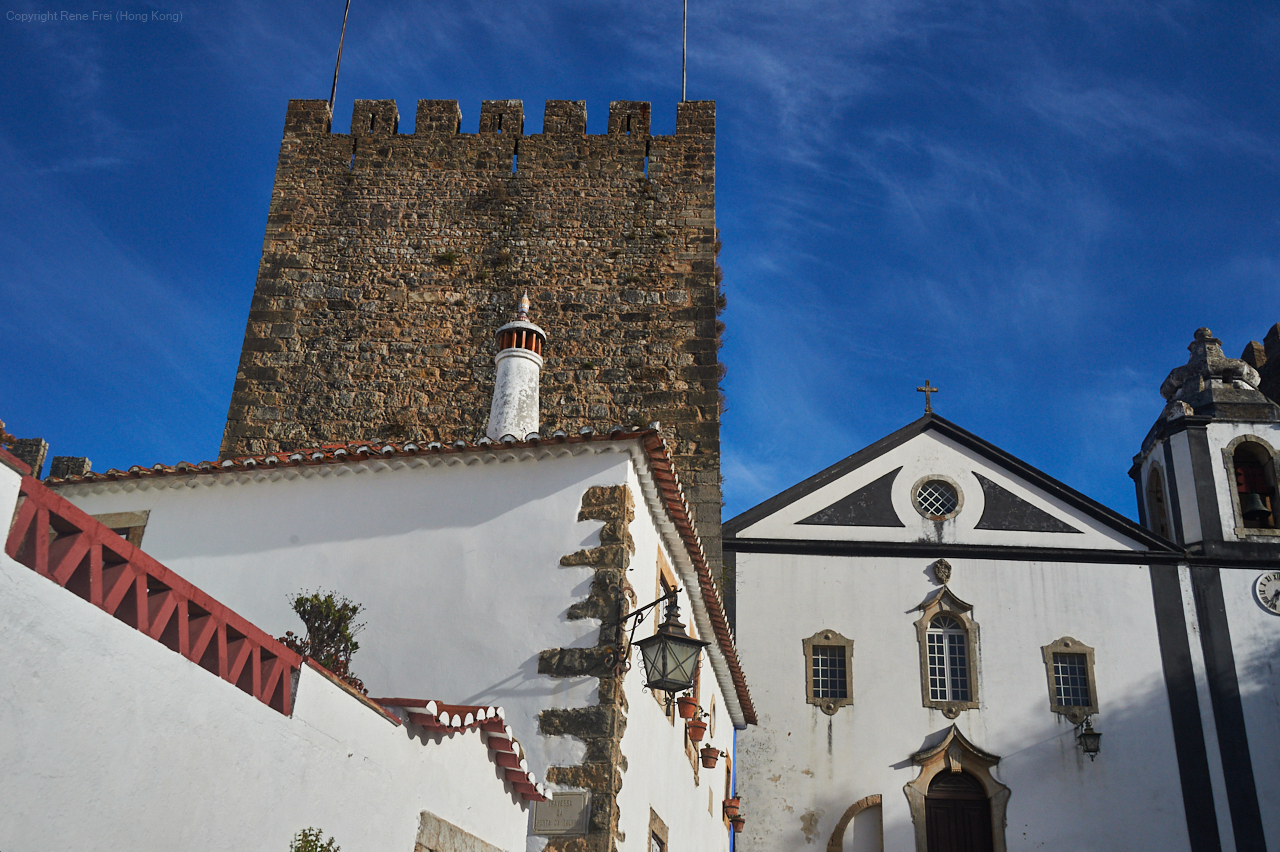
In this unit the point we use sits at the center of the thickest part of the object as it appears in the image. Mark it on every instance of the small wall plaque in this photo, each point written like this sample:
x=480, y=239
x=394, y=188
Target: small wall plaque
x=565, y=814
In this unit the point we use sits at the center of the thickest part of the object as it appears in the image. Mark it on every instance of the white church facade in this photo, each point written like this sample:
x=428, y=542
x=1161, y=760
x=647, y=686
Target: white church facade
x=938, y=633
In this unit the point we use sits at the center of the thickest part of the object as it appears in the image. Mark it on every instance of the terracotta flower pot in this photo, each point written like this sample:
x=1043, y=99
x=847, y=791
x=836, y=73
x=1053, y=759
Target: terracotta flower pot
x=738, y=822
x=709, y=754
x=687, y=707
x=697, y=729
x=731, y=806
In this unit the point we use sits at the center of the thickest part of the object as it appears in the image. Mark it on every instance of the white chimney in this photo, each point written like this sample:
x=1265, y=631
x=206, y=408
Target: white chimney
x=515, y=391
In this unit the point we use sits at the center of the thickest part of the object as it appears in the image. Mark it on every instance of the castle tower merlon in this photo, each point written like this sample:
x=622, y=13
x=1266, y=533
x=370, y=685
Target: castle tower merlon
x=375, y=118
x=515, y=408
x=629, y=118
x=502, y=117
x=438, y=118
x=565, y=118
x=307, y=116
x=444, y=117
x=696, y=117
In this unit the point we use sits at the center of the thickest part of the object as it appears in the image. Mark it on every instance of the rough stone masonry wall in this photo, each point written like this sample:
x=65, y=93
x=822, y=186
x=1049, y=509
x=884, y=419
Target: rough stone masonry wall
x=601, y=727
x=390, y=260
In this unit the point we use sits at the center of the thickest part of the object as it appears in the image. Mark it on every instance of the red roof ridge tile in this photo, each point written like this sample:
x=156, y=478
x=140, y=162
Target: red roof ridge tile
x=504, y=749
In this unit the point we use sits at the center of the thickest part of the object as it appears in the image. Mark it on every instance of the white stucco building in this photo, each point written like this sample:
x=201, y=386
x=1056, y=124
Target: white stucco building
x=930, y=623
x=492, y=575
x=181, y=725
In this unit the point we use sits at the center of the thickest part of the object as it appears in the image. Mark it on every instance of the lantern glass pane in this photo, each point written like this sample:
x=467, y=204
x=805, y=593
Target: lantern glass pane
x=684, y=662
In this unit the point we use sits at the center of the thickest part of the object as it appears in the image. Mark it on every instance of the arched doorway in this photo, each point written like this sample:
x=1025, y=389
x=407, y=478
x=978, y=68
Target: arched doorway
x=949, y=771
x=958, y=814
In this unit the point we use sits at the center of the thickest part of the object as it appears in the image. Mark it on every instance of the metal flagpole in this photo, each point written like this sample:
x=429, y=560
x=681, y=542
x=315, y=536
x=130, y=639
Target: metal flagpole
x=684, y=48
x=338, y=63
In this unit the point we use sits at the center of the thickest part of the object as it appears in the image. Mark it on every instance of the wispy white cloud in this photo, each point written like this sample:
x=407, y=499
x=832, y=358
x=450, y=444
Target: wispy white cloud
x=1121, y=116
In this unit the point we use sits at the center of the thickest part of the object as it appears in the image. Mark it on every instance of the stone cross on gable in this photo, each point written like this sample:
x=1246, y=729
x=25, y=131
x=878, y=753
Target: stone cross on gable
x=926, y=390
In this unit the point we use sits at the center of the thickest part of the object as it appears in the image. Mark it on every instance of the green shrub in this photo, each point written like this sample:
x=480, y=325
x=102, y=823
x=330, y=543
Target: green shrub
x=312, y=840
x=331, y=632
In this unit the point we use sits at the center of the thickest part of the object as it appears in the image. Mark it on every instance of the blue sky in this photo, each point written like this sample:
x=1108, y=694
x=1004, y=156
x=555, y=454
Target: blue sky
x=1031, y=204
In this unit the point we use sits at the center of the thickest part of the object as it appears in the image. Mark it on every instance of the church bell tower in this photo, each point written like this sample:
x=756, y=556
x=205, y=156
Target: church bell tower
x=1207, y=473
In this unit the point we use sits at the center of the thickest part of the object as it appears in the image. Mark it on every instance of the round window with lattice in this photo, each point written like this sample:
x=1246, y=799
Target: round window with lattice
x=937, y=498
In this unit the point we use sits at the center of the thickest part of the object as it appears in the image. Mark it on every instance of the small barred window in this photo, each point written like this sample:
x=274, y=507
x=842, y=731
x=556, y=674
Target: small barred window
x=828, y=671
x=1073, y=691
x=1071, y=680
x=830, y=675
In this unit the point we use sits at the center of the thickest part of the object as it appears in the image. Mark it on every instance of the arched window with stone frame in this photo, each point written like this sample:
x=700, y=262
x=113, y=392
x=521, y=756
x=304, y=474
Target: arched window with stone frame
x=1251, y=475
x=948, y=638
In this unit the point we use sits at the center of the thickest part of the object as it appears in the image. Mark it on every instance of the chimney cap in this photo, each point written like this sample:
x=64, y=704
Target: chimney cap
x=521, y=324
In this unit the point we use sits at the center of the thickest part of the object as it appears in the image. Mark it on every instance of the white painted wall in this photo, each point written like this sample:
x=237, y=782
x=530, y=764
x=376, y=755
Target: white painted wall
x=1255, y=643
x=457, y=565
x=800, y=762
x=112, y=741
x=659, y=775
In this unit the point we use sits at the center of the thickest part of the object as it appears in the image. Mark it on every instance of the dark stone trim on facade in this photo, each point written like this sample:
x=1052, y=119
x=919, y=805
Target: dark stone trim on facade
x=600, y=727
x=1004, y=510
x=1184, y=710
x=1228, y=711
x=999, y=553
x=1202, y=477
x=933, y=550
x=869, y=506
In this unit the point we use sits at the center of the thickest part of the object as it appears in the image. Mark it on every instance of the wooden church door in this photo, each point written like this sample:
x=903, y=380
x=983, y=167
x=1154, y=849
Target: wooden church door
x=958, y=814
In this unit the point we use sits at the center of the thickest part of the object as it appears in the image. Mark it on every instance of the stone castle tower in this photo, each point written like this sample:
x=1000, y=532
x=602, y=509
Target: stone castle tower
x=391, y=259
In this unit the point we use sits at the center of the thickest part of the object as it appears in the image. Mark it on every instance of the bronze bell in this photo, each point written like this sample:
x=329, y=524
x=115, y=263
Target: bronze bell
x=1254, y=507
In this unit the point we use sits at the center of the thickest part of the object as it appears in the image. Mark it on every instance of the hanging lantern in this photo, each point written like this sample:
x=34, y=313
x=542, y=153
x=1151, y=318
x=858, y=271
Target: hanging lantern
x=670, y=655
x=1090, y=740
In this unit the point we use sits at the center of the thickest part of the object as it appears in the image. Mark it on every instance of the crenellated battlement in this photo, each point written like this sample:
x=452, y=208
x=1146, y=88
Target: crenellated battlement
x=437, y=118
x=391, y=258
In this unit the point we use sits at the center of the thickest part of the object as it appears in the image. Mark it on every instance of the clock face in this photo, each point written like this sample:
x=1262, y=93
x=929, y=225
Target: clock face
x=1267, y=589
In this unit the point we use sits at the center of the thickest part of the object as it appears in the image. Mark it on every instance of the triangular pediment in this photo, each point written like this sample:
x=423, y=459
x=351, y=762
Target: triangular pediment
x=933, y=482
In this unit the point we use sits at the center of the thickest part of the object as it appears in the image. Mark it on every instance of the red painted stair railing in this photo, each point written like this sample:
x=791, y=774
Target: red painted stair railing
x=59, y=541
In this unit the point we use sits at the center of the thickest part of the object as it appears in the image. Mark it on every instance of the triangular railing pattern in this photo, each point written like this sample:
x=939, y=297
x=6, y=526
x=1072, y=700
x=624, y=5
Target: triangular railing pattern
x=59, y=541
